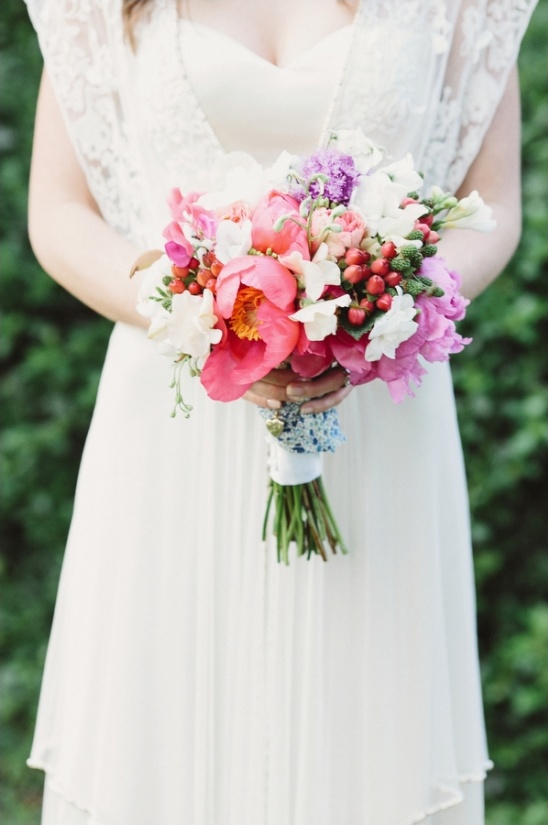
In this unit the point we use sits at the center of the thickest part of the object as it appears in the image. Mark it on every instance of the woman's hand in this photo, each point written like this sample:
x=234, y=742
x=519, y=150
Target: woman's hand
x=283, y=385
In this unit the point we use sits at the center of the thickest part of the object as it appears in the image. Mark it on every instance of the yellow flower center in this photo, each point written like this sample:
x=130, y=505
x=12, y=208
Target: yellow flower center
x=244, y=321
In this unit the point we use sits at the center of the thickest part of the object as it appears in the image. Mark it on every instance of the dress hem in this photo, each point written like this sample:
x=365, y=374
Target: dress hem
x=479, y=776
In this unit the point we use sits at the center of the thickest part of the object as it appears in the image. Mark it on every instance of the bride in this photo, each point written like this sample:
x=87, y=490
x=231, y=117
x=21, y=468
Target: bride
x=190, y=679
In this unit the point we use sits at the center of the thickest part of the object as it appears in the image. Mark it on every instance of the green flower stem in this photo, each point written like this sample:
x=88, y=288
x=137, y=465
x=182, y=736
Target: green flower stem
x=302, y=516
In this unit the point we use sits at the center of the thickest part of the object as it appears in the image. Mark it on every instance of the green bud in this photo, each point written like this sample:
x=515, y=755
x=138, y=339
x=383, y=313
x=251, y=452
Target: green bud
x=167, y=304
x=414, y=195
x=413, y=287
x=425, y=281
x=166, y=280
x=415, y=235
x=436, y=291
x=429, y=250
x=399, y=263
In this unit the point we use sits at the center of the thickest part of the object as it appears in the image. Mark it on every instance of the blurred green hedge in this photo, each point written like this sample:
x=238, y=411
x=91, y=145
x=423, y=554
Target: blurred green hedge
x=52, y=349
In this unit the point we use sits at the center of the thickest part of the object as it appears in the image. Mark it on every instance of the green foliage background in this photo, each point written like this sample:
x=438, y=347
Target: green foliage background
x=52, y=349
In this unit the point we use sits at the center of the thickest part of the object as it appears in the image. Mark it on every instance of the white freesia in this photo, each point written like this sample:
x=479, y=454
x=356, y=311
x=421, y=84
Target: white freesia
x=470, y=213
x=393, y=328
x=364, y=152
x=232, y=240
x=152, y=280
x=235, y=176
x=316, y=274
x=319, y=318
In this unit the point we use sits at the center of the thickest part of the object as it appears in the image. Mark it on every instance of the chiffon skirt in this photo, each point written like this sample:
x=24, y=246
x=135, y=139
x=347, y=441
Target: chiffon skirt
x=193, y=680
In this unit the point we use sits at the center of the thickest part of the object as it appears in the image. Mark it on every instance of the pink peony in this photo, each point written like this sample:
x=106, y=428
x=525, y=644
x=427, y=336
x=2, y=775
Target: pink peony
x=291, y=237
x=255, y=294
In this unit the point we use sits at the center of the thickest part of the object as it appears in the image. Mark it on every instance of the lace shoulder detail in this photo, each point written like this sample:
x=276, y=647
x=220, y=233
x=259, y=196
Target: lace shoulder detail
x=436, y=88
x=84, y=50
x=485, y=42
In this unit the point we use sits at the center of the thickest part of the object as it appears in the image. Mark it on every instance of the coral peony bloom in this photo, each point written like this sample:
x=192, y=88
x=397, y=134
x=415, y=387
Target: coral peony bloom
x=255, y=295
x=292, y=235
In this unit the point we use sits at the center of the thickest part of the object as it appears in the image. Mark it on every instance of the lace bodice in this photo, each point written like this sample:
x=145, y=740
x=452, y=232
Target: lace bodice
x=424, y=77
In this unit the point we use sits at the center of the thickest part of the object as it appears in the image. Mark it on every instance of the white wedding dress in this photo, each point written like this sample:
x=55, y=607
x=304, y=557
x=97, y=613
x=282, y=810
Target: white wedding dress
x=190, y=678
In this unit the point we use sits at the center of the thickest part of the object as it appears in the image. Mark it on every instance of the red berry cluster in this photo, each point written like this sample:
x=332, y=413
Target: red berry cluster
x=372, y=278
x=194, y=277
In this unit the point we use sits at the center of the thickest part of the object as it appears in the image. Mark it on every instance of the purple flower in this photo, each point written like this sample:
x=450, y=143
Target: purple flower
x=340, y=170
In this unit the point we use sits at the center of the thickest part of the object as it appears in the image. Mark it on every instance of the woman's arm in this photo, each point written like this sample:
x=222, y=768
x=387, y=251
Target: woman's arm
x=496, y=174
x=68, y=235
x=478, y=257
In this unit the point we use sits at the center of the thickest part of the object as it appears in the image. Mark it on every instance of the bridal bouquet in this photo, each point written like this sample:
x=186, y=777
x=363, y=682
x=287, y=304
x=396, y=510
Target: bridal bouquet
x=317, y=261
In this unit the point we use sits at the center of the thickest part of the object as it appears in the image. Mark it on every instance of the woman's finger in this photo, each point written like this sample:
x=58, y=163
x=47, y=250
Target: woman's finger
x=327, y=382
x=261, y=400
x=326, y=402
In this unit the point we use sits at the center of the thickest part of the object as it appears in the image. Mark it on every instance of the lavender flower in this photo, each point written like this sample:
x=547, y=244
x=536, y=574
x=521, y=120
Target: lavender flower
x=340, y=170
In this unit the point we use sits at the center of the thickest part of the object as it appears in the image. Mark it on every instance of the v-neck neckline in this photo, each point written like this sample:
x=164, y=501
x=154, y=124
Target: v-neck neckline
x=240, y=45
x=176, y=25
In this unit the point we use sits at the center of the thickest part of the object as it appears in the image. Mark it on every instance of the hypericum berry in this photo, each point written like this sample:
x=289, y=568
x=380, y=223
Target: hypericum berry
x=194, y=288
x=193, y=263
x=392, y=279
x=179, y=271
x=368, y=306
x=381, y=266
x=422, y=227
x=428, y=219
x=203, y=276
x=356, y=316
x=375, y=285
x=384, y=302
x=208, y=258
x=388, y=250
x=176, y=286
x=407, y=201
x=216, y=267
x=355, y=256
x=353, y=274
x=432, y=238
x=211, y=284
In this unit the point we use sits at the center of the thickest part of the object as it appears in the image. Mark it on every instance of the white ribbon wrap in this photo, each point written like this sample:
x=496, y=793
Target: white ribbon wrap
x=288, y=468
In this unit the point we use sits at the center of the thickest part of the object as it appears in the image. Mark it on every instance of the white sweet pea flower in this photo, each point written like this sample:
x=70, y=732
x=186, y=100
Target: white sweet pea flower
x=232, y=240
x=278, y=173
x=316, y=274
x=320, y=318
x=376, y=196
x=402, y=222
x=190, y=326
x=364, y=152
x=470, y=213
x=152, y=280
x=403, y=173
x=400, y=242
x=235, y=176
x=392, y=329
